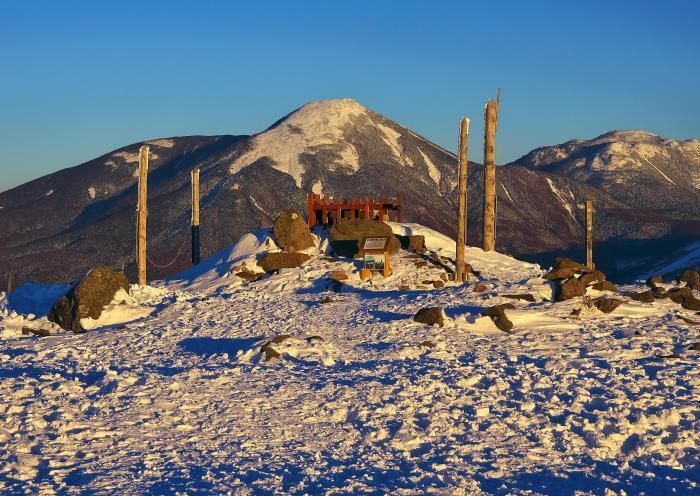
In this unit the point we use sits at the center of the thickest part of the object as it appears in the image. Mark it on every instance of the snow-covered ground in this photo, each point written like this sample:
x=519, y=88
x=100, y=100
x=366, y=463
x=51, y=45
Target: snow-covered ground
x=170, y=393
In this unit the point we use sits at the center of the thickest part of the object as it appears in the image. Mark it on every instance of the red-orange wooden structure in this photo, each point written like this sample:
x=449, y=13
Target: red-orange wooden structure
x=325, y=209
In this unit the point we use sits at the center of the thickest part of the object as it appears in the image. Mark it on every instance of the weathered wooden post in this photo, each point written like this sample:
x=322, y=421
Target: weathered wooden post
x=142, y=213
x=195, y=216
x=9, y=283
x=490, y=126
x=589, y=234
x=462, y=214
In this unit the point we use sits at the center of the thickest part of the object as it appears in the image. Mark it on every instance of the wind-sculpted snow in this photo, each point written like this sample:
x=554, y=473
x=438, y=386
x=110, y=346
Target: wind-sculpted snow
x=364, y=400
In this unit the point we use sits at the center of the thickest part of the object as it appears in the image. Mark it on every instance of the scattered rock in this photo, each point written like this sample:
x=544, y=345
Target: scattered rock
x=272, y=262
x=569, y=289
x=679, y=295
x=692, y=279
x=438, y=284
x=480, y=287
x=326, y=300
x=654, y=280
x=498, y=315
x=523, y=296
x=249, y=275
x=567, y=263
x=670, y=355
x=426, y=344
x=311, y=339
x=607, y=286
x=269, y=351
x=691, y=303
x=643, y=296
x=430, y=316
x=592, y=277
x=560, y=273
x=420, y=265
x=694, y=346
x=26, y=331
x=87, y=298
x=607, y=305
x=345, y=236
x=338, y=275
x=291, y=232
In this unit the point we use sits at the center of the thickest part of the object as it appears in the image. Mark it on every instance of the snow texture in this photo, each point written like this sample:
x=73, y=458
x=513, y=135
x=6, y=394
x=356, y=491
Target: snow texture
x=170, y=393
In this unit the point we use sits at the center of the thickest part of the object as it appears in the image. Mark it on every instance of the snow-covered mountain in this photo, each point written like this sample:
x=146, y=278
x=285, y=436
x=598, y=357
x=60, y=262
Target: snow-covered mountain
x=644, y=170
x=57, y=226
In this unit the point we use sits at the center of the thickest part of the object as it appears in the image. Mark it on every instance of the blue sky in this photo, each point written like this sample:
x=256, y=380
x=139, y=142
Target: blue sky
x=79, y=79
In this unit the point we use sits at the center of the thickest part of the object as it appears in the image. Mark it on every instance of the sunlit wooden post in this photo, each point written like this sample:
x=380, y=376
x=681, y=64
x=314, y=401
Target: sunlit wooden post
x=589, y=235
x=490, y=126
x=195, y=216
x=462, y=214
x=9, y=282
x=142, y=213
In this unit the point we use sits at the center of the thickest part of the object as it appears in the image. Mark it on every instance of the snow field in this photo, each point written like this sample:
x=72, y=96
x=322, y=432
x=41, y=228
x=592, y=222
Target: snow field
x=180, y=400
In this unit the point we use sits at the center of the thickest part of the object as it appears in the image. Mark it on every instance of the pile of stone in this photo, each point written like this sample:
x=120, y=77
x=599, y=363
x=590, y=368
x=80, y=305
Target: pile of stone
x=572, y=279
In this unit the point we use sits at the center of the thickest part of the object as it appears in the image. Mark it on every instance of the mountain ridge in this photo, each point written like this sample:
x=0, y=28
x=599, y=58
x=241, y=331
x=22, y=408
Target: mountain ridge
x=84, y=215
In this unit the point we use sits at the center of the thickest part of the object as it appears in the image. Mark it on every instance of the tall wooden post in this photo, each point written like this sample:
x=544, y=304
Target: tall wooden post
x=142, y=212
x=490, y=126
x=589, y=235
x=195, y=216
x=462, y=214
x=9, y=283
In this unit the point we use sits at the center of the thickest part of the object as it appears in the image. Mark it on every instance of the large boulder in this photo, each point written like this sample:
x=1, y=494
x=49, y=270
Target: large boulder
x=272, y=262
x=87, y=298
x=345, y=236
x=291, y=232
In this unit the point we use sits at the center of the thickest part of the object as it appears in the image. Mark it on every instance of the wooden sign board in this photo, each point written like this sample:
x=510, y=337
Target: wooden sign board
x=375, y=252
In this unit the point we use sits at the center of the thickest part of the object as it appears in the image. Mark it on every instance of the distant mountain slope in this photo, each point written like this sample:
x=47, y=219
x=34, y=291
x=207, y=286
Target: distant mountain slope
x=643, y=170
x=57, y=226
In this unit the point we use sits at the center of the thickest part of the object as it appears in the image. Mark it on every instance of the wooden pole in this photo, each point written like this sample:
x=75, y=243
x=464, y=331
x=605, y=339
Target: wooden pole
x=490, y=126
x=9, y=283
x=195, y=216
x=462, y=214
x=589, y=235
x=142, y=212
